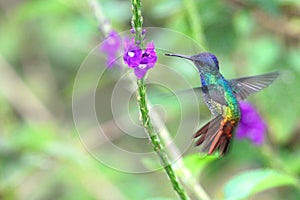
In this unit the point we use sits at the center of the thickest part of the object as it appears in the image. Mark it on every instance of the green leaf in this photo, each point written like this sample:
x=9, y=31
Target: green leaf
x=252, y=182
x=196, y=163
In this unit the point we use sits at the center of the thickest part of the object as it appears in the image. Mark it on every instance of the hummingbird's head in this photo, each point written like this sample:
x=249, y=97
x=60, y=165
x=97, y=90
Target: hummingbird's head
x=202, y=61
x=206, y=58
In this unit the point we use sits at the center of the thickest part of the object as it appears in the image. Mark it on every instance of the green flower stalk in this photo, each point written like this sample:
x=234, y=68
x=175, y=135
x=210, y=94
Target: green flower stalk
x=157, y=145
x=137, y=21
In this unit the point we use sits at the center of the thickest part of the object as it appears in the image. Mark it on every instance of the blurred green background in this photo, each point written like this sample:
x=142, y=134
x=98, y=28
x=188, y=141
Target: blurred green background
x=42, y=45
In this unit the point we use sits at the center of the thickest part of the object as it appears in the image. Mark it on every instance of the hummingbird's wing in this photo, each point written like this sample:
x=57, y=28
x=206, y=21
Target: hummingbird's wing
x=243, y=87
x=215, y=93
x=211, y=91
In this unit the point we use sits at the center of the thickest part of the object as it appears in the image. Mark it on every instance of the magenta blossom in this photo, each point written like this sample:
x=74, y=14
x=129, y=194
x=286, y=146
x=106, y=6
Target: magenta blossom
x=251, y=125
x=111, y=46
x=140, y=60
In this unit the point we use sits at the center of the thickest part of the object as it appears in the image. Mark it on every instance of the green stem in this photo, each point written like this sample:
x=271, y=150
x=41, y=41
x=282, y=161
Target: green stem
x=100, y=17
x=276, y=163
x=273, y=160
x=157, y=145
x=194, y=21
x=137, y=21
x=183, y=173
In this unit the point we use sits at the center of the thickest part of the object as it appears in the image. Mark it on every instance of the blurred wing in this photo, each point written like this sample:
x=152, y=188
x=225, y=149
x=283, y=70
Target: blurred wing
x=216, y=94
x=210, y=91
x=243, y=87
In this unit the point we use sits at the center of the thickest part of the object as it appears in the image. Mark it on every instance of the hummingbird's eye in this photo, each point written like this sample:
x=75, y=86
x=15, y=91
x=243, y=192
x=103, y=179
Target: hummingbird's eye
x=214, y=60
x=209, y=59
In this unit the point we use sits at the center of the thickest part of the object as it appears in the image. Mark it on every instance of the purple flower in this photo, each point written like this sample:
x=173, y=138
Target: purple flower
x=140, y=60
x=251, y=124
x=132, y=31
x=133, y=54
x=111, y=46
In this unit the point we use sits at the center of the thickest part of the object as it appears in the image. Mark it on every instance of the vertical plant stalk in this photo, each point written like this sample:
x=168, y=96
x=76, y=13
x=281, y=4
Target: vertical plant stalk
x=184, y=174
x=194, y=21
x=157, y=145
x=137, y=21
x=104, y=25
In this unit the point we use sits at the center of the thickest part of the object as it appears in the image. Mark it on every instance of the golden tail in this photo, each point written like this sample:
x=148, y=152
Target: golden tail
x=216, y=134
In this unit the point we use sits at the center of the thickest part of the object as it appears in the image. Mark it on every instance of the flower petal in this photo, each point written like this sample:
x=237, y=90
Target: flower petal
x=133, y=54
x=140, y=72
x=251, y=125
x=112, y=43
x=140, y=60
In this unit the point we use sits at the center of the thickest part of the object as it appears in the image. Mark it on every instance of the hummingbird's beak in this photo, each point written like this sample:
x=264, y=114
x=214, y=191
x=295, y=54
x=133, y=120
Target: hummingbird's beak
x=180, y=56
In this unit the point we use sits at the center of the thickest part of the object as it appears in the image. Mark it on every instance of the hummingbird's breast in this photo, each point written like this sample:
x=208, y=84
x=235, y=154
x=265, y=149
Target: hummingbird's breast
x=219, y=96
x=232, y=110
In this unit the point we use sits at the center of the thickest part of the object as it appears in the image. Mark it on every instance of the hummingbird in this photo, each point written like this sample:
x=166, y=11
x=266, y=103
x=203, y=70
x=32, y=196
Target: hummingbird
x=221, y=97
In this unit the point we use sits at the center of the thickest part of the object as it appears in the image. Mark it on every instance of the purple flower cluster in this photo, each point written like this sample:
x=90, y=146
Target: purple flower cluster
x=251, y=125
x=111, y=46
x=140, y=60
